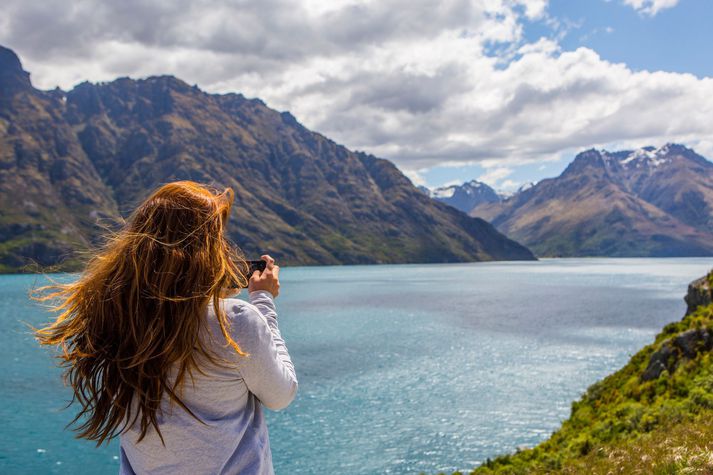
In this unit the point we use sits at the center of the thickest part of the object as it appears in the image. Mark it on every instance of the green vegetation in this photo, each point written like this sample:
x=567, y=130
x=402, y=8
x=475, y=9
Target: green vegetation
x=684, y=447
x=631, y=423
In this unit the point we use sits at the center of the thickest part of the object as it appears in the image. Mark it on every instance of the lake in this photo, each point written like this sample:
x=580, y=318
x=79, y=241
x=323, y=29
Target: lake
x=402, y=368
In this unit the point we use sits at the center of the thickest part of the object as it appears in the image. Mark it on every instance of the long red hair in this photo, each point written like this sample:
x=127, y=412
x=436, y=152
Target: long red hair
x=139, y=305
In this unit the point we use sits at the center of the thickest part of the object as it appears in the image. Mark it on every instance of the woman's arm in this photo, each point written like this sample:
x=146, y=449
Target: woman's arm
x=268, y=370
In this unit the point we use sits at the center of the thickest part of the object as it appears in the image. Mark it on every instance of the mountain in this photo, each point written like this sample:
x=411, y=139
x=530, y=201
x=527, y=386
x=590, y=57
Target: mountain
x=424, y=189
x=505, y=194
x=524, y=186
x=50, y=192
x=651, y=416
x=645, y=202
x=464, y=197
x=73, y=163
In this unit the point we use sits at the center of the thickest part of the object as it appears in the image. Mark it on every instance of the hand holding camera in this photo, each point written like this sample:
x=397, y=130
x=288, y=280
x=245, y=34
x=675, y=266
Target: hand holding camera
x=264, y=275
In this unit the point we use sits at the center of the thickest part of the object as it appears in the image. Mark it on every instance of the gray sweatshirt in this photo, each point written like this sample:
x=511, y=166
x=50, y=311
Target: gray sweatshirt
x=233, y=437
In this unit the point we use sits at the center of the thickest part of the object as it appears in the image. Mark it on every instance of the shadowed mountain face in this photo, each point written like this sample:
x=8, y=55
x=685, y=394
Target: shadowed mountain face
x=69, y=159
x=647, y=202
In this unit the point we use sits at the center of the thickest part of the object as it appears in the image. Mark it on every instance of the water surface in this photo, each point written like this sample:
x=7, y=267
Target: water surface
x=402, y=368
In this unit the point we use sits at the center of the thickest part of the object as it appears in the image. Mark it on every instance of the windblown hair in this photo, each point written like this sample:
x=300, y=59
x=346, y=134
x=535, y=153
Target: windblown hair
x=138, y=308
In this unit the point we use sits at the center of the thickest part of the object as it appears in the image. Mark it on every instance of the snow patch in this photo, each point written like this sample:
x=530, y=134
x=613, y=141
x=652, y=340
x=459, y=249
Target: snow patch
x=647, y=157
x=474, y=184
x=526, y=186
x=444, y=192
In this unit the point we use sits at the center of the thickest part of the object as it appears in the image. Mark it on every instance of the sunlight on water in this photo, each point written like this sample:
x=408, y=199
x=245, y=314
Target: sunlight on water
x=402, y=368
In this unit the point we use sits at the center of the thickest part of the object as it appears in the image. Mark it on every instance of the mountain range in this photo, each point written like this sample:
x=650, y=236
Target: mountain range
x=464, y=197
x=74, y=163
x=645, y=202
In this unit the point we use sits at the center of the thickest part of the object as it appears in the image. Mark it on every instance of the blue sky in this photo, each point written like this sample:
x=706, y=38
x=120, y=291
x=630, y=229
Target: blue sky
x=504, y=91
x=677, y=39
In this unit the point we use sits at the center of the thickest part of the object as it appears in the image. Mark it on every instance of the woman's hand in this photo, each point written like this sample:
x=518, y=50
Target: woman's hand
x=267, y=279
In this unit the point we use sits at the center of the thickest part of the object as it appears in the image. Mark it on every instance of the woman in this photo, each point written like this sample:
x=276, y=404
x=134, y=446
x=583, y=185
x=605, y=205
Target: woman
x=156, y=351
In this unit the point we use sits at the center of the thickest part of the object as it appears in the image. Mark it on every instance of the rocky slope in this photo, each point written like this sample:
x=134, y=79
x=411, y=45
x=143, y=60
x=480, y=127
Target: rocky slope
x=50, y=192
x=70, y=160
x=647, y=202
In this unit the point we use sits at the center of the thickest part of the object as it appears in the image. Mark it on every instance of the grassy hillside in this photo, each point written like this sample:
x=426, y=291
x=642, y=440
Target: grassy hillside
x=652, y=416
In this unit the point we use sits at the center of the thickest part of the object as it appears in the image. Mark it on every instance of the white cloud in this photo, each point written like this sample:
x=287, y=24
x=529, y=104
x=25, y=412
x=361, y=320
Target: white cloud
x=495, y=176
x=415, y=177
x=407, y=80
x=534, y=9
x=650, y=7
x=509, y=185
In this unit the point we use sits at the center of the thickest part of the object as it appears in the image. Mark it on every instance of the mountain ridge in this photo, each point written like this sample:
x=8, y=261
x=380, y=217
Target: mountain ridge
x=646, y=202
x=92, y=153
x=466, y=196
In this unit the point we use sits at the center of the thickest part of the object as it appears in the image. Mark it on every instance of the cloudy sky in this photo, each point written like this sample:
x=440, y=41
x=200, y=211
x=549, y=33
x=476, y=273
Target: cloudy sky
x=505, y=91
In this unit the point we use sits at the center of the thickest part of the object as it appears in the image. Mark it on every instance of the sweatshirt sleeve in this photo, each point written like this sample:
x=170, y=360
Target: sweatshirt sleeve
x=268, y=370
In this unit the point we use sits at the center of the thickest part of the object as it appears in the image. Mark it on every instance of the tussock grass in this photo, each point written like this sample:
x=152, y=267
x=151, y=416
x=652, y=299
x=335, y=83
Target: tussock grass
x=625, y=424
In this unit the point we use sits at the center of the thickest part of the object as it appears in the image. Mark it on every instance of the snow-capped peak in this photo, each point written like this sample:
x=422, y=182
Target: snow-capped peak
x=469, y=188
x=647, y=157
x=525, y=186
x=444, y=192
x=474, y=184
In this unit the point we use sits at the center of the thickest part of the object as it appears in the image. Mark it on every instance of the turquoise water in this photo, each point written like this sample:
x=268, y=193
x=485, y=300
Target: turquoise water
x=402, y=368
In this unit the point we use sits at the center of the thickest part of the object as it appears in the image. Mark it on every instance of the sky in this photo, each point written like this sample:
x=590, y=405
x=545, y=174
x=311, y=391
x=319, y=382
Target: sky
x=502, y=91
